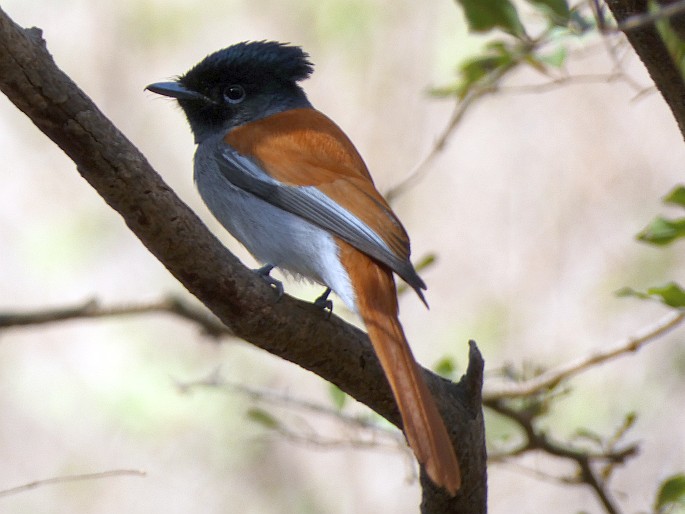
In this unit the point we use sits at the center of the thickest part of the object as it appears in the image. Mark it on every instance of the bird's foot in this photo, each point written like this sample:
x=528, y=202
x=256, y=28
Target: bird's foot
x=323, y=303
x=263, y=272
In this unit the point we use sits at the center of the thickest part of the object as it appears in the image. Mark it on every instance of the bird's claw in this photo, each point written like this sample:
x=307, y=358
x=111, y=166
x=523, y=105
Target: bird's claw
x=323, y=303
x=264, y=273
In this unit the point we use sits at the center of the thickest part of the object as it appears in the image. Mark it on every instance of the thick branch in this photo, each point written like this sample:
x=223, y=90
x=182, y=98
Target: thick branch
x=291, y=329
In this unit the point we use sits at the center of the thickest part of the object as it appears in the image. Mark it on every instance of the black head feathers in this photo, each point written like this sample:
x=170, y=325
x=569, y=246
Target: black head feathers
x=239, y=84
x=252, y=62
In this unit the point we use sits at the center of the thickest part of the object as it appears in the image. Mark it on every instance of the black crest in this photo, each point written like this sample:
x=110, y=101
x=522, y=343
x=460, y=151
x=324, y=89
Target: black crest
x=253, y=62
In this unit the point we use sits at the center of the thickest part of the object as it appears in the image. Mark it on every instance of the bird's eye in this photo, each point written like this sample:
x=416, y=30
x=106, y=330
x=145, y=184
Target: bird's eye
x=234, y=94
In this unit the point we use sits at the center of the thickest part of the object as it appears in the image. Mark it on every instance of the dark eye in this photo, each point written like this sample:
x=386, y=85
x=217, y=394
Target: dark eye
x=234, y=94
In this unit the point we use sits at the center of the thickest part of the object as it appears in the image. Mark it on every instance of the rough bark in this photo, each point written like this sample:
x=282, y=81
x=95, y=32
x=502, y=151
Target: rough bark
x=291, y=329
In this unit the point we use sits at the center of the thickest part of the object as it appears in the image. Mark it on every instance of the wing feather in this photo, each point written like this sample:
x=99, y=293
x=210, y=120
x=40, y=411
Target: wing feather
x=303, y=163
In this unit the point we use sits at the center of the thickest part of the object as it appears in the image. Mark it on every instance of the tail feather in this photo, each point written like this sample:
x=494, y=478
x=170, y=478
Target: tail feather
x=423, y=424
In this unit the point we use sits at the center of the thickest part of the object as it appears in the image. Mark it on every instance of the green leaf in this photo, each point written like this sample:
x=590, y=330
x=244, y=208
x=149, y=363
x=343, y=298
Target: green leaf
x=263, y=418
x=626, y=292
x=478, y=69
x=671, y=493
x=338, y=396
x=475, y=69
x=486, y=15
x=557, y=11
x=556, y=58
x=671, y=294
x=425, y=262
x=533, y=61
x=676, y=196
x=662, y=231
x=445, y=367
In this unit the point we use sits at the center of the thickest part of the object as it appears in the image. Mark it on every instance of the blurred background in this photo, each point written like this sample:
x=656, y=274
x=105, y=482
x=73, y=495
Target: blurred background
x=531, y=211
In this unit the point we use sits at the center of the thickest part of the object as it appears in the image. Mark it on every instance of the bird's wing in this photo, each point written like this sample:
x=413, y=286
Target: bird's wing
x=300, y=161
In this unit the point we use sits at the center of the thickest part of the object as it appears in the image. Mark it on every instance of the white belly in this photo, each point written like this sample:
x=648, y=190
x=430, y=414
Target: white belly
x=272, y=235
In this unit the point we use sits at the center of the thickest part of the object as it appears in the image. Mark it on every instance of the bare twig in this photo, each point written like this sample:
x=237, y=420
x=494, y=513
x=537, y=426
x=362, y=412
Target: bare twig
x=377, y=436
x=612, y=47
x=93, y=309
x=71, y=478
x=532, y=472
x=537, y=440
x=564, y=80
x=492, y=84
x=552, y=377
x=598, y=10
x=419, y=171
x=215, y=381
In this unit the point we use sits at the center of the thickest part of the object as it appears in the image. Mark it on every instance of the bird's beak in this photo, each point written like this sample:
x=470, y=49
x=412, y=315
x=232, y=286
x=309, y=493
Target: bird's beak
x=175, y=90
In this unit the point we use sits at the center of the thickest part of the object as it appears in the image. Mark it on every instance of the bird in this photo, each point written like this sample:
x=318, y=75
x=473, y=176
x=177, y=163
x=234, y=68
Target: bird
x=289, y=185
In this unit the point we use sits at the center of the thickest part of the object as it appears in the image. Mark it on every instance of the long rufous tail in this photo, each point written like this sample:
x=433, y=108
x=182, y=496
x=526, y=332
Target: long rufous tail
x=423, y=425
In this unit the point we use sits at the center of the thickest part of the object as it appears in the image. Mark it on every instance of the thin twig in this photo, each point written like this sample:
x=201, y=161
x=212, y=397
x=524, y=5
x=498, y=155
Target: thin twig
x=71, y=478
x=552, y=377
x=589, y=477
x=564, y=80
x=215, y=381
x=535, y=473
x=612, y=51
x=92, y=309
x=390, y=437
x=491, y=85
x=488, y=86
x=538, y=440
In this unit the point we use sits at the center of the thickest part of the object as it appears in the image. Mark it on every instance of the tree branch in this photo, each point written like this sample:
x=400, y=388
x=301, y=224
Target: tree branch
x=291, y=329
x=536, y=439
x=552, y=377
x=71, y=478
x=368, y=433
x=92, y=309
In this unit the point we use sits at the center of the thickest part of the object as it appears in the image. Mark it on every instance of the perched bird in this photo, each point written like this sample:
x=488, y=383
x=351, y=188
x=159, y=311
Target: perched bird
x=288, y=184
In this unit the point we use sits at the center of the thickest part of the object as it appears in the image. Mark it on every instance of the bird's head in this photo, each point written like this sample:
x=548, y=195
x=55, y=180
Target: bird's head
x=239, y=84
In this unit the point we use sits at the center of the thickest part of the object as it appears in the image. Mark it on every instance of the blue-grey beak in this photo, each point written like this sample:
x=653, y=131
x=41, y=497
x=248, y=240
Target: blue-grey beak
x=176, y=90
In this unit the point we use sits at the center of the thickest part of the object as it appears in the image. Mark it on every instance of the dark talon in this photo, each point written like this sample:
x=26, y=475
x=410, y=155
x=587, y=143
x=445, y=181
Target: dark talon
x=323, y=303
x=276, y=284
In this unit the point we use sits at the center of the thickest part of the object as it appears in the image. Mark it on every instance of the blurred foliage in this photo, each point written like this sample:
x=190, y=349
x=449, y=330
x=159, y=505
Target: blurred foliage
x=424, y=263
x=671, y=495
x=351, y=21
x=662, y=231
x=446, y=367
x=338, y=396
x=511, y=44
x=670, y=294
x=263, y=418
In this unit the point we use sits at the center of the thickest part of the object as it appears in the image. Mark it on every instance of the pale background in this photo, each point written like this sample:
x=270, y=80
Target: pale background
x=531, y=211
